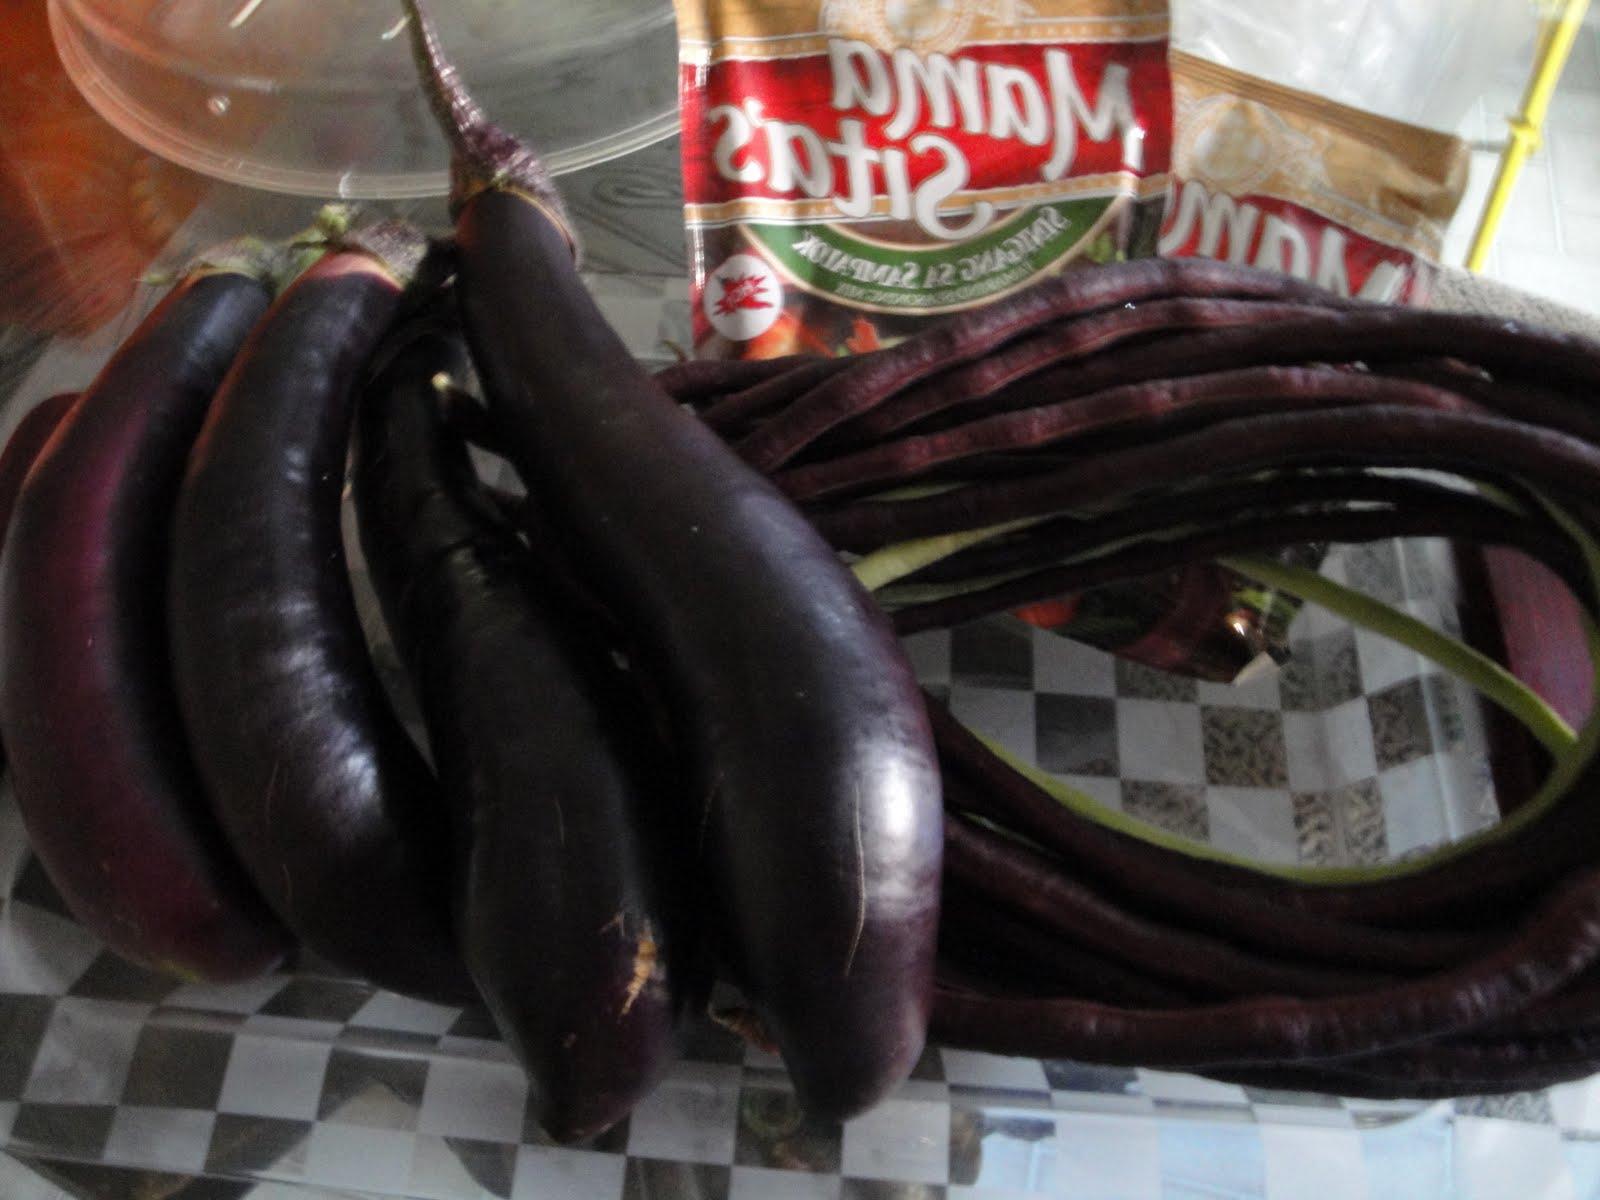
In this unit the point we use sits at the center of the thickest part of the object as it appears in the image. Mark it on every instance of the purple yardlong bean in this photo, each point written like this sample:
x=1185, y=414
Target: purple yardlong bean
x=871, y=378
x=1371, y=337
x=1021, y=879
x=1575, y=1008
x=1122, y=335
x=1345, y=1079
x=1373, y=434
x=1054, y=540
x=1150, y=879
x=697, y=380
x=1152, y=557
x=989, y=937
x=1149, y=407
x=1551, y=1058
x=733, y=415
x=1511, y=352
x=1477, y=1007
x=1558, y=940
x=1351, y=1077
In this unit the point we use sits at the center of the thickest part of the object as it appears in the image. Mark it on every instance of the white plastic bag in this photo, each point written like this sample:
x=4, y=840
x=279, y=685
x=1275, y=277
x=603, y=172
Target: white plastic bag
x=1419, y=61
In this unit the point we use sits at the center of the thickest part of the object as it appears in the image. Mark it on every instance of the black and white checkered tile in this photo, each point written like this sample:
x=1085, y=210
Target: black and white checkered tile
x=208, y=1081
x=1355, y=753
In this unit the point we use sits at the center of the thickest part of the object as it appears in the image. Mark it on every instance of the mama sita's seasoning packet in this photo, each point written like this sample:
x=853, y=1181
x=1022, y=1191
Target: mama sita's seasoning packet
x=853, y=168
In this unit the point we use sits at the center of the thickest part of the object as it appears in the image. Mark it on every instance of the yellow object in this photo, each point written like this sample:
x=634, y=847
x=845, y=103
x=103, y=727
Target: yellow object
x=1555, y=45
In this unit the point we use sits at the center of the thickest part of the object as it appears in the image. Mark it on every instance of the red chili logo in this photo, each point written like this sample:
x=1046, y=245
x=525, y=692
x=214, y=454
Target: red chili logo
x=742, y=291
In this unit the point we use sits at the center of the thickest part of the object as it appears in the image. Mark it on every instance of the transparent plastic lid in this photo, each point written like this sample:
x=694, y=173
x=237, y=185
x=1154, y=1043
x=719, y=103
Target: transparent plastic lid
x=321, y=99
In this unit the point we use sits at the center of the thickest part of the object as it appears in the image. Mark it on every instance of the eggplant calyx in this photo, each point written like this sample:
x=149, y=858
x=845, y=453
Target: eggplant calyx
x=247, y=255
x=398, y=246
x=483, y=157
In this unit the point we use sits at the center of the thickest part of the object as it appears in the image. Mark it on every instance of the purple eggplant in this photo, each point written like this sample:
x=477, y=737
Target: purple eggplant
x=563, y=907
x=815, y=806
x=103, y=774
x=330, y=806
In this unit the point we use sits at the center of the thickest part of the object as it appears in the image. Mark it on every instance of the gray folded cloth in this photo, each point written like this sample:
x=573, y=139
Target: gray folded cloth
x=1457, y=290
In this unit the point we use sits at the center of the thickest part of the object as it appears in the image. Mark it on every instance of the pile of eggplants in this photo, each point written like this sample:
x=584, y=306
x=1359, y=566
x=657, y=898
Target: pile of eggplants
x=672, y=738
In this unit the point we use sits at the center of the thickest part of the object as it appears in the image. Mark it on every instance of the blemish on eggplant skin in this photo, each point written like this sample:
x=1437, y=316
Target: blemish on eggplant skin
x=644, y=966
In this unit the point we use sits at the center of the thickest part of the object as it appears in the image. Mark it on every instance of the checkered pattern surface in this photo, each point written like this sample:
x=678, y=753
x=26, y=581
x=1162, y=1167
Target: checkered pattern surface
x=1354, y=753
x=309, y=1080
x=1357, y=751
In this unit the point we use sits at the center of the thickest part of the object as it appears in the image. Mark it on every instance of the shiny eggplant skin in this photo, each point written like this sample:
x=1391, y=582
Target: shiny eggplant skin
x=333, y=810
x=815, y=805
x=562, y=904
x=102, y=768
x=24, y=445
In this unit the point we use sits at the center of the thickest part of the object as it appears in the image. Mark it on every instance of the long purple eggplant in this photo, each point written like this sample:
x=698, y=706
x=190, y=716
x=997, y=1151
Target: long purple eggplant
x=562, y=906
x=23, y=447
x=103, y=775
x=815, y=790
x=332, y=809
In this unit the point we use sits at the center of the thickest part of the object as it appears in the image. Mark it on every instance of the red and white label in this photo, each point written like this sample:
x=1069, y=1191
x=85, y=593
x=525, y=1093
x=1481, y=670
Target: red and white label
x=894, y=160
x=742, y=298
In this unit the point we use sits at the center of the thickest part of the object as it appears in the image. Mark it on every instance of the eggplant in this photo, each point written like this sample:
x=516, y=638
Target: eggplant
x=815, y=804
x=562, y=900
x=334, y=812
x=23, y=447
x=102, y=769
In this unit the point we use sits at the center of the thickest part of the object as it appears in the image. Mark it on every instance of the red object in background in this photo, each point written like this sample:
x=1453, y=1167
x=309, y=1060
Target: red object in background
x=742, y=291
x=82, y=209
x=1541, y=628
x=789, y=334
x=1049, y=614
x=1520, y=614
x=802, y=90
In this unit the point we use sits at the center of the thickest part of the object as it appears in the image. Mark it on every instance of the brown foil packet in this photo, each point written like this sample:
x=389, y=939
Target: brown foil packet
x=1281, y=179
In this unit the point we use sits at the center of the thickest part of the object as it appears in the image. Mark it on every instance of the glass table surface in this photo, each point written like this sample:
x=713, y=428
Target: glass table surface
x=117, y=1083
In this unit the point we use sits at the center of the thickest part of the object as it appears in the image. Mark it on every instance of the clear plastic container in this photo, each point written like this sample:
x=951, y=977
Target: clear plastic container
x=321, y=99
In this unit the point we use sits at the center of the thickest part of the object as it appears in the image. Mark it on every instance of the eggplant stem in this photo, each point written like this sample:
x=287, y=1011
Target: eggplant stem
x=482, y=155
x=453, y=106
